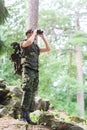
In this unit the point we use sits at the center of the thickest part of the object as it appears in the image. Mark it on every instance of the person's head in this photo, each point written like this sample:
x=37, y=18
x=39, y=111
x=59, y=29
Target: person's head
x=29, y=33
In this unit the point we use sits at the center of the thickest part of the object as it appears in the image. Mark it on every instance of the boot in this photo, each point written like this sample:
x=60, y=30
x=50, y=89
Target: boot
x=23, y=116
x=29, y=120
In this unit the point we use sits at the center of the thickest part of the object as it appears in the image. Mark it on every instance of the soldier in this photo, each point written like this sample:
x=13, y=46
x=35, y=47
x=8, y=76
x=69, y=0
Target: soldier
x=30, y=70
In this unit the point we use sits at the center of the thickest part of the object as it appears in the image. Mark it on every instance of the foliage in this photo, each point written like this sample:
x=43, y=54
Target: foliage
x=8, y=73
x=44, y=85
x=3, y=12
x=2, y=47
x=3, y=17
x=14, y=29
x=79, y=38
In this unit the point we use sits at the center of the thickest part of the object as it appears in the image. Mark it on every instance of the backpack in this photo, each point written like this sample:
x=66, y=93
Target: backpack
x=16, y=58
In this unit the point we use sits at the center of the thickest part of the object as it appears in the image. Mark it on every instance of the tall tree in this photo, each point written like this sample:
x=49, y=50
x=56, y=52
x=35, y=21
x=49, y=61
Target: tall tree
x=80, y=93
x=33, y=14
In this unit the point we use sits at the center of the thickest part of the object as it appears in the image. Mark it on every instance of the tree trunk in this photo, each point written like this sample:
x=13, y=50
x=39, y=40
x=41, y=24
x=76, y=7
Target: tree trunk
x=33, y=9
x=80, y=93
x=33, y=14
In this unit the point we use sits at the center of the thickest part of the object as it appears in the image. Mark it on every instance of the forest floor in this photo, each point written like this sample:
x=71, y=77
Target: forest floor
x=8, y=123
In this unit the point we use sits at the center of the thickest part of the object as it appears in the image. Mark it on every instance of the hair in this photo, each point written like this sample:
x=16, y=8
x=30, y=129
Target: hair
x=29, y=31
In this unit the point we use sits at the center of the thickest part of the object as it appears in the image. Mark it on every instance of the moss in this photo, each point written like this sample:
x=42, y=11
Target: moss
x=76, y=119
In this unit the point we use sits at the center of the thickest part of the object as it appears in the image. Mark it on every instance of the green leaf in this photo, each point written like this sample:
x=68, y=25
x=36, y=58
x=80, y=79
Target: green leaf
x=2, y=47
x=79, y=38
x=3, y=12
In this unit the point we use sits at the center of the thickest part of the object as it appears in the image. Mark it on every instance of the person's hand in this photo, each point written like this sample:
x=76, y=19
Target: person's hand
x=35, y=32
x=42, y=35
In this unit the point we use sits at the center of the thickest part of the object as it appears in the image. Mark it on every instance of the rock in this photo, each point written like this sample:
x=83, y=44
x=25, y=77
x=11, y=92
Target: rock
x=10, y=104
x=37, y=113
x=3, y=112
x=55, y=124
x=17, y=92
x=76, y=119
x=61, y=125
x=2, y=84
x=10, y=101
x=3, y=96
x=41, y=104
x=15, y=108
x=17, y=104
x=11, y=113
x=76, y=128
x=45, y=118
x=1, y=106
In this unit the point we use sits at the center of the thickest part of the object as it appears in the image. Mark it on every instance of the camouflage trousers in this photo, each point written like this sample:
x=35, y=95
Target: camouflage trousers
x=30, y=80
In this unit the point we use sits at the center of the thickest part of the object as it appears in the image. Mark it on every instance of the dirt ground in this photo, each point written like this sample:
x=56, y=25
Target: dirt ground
x=8, y=123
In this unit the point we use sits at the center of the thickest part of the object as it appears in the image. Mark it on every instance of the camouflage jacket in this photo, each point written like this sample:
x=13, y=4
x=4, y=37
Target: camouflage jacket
x=30, y=56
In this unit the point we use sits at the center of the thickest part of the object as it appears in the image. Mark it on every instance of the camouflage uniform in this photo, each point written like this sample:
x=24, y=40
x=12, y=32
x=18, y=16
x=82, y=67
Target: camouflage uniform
x=30, y=75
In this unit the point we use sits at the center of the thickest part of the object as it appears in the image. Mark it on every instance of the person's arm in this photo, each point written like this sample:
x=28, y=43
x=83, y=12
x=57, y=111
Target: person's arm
x=30, y=40
x=47, y=47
